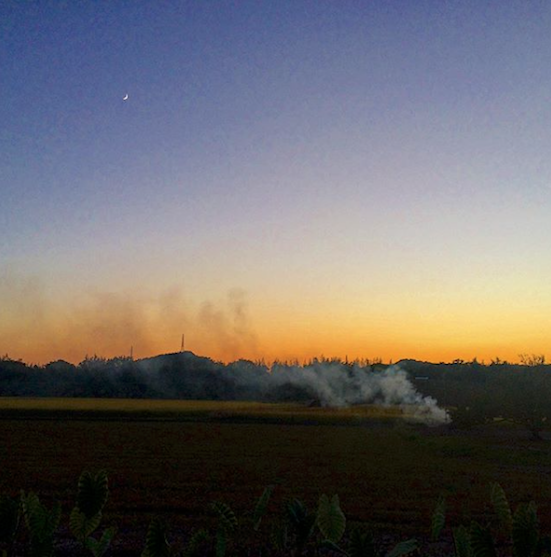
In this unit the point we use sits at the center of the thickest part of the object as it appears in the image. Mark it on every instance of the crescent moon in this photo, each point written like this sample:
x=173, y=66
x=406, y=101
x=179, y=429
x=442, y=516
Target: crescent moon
x=125, y=98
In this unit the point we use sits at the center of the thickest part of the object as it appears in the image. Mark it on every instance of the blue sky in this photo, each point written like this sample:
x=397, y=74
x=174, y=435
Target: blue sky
x=372, y=176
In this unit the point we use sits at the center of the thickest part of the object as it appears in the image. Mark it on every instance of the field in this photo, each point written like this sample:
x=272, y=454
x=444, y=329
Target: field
x=89, y=408
x=173, y=458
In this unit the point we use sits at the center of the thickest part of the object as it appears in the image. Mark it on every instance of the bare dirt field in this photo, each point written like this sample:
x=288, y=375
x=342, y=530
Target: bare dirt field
x=388, y=473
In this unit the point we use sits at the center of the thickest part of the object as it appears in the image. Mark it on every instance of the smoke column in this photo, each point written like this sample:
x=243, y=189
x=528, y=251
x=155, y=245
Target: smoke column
x=336, y=385
x=185, y=376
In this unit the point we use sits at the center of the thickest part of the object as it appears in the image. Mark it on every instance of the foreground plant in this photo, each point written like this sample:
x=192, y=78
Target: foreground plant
x=92, y=494
x=330, y=518
x=298, y=532
x=41, y=524
x=156, y=544
x=332, y=524
x=202, y=541
x=520, y=530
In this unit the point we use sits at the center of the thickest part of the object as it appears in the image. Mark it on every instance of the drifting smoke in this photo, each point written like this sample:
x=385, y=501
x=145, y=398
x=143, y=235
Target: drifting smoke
x=186, y=376
x=327, y=383
x=114, y=321
x=109, y=323
x=398, y=389
x=339, y=385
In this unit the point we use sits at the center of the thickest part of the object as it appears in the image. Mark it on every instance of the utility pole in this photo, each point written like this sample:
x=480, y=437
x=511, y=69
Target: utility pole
x=182, y=347
x=131, y=352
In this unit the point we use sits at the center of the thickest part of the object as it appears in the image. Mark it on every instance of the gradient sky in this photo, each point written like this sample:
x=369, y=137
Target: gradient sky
x=286, y=179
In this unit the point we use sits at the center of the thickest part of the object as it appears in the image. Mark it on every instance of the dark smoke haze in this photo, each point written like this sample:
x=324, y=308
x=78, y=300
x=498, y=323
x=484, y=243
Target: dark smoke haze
x=37, y=326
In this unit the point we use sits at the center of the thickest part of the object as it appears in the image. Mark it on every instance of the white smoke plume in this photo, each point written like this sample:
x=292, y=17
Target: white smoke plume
x=334, y=384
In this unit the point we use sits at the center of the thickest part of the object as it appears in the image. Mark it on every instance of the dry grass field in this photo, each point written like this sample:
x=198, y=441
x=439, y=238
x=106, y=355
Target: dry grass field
x=173, y=458
x=188, y=409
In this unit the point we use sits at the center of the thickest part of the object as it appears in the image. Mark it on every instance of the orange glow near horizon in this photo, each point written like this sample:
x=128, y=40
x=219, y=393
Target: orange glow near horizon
x=38, y=328
x=292, y=343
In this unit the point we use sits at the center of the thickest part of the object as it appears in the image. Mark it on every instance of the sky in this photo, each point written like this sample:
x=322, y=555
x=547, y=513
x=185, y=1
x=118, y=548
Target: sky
x=285, y=180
